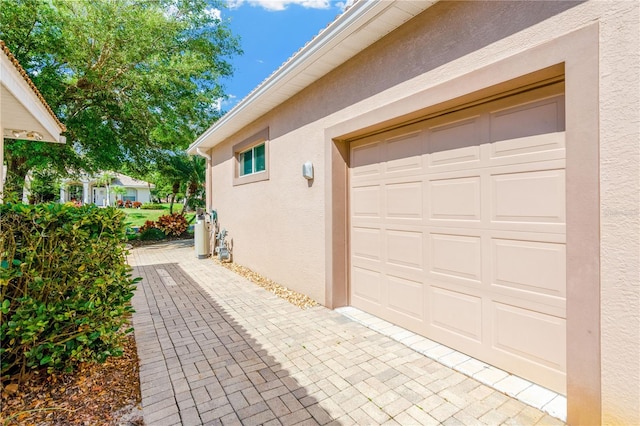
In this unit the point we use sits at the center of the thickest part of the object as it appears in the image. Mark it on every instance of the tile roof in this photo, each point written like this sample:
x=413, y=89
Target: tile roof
x=128, y=181
x=27, y=79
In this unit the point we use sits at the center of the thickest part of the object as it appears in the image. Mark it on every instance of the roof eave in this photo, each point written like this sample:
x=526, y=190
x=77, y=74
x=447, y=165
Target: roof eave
x=17, y=83
x=358, y=16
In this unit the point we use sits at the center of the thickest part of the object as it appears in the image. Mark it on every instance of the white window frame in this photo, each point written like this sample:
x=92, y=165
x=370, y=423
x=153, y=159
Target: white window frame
x=253, y=160
x=250, y=144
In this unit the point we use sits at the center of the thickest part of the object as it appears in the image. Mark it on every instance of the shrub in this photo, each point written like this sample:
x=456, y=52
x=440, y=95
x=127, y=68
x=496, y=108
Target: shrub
x=152, y=234
x=65, y=286
x=152, y=206
x=119, y=203
x=137, y=204
x=147, y=225
x=173, y=224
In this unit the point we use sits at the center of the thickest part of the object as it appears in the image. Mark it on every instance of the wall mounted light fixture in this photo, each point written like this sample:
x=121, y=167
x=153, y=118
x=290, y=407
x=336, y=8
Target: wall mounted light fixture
x=34, y=135
x=24, y=134
x=307, y=170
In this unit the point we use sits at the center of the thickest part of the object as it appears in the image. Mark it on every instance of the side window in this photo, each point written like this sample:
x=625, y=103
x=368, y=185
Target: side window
x=252, y=159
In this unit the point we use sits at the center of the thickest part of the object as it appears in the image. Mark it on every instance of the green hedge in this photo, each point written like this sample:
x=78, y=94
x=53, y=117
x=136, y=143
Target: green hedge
x=152, y=206
x=65, y=286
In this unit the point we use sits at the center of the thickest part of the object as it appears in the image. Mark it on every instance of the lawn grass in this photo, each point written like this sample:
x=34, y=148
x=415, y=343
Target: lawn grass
x=137, y=217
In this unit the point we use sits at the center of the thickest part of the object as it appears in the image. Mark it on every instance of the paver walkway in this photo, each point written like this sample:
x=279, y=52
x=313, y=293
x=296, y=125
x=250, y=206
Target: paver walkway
x=216, y=349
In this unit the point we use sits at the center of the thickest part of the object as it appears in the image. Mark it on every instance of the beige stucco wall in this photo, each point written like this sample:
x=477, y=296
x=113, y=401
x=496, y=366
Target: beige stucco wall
x=278, y=226
x=620, y=213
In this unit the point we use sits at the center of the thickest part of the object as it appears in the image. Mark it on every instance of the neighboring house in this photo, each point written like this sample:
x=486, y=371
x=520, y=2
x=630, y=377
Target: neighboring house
x=88, y=189
x=475, y=180
x=24, y=114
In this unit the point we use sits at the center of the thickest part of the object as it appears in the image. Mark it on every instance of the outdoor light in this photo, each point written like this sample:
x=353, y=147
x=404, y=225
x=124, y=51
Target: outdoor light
x=307, y=170
x=19, y=134
x=34, y=135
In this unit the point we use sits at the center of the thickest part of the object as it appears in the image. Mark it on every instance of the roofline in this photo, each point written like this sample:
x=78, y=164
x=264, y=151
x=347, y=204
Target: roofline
x=357, y=16
x=30, y=83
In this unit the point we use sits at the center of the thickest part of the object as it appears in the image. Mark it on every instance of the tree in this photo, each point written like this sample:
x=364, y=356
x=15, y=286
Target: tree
x=119, y=191
x=45, y=186
x=105, y=180
x=184, y=172
x=128, y=78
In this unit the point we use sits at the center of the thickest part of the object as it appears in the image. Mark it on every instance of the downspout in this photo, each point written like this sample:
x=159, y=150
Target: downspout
x=207, y=179
x=203, y=154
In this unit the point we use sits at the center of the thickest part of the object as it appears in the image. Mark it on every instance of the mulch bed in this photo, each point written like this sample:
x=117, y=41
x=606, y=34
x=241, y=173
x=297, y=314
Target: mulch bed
x=95, y=394
x=300, y=300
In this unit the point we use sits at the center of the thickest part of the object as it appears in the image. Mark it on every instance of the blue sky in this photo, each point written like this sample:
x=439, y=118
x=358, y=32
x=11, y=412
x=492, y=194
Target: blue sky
x=270, y=32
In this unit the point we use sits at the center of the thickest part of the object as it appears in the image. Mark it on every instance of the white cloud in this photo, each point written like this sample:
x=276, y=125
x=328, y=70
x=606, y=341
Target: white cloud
x=229, y=102
x=278, y=5
x=213, y=13
x=342, y=5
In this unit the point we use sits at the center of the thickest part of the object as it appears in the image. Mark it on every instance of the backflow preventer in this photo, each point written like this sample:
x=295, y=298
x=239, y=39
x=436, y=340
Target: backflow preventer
x=220, y=244
x=222, y=249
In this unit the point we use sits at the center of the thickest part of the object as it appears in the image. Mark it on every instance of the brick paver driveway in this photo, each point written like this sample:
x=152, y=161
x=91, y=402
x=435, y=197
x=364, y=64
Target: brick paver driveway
x=217, y=349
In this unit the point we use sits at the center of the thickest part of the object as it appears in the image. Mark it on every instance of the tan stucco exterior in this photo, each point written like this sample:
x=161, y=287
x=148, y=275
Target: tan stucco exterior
x=294, y=231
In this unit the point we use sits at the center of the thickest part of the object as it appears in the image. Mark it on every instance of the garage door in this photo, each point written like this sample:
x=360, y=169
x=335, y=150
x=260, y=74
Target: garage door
x=457, y=231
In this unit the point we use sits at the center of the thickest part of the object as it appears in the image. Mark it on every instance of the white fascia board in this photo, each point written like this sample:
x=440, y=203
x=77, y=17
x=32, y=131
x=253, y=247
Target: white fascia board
x=357, y=17
x=15, y=84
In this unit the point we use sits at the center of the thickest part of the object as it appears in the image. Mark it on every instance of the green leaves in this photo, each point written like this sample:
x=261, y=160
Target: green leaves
x=5, y=306
x=65, y=285
x=128, y=78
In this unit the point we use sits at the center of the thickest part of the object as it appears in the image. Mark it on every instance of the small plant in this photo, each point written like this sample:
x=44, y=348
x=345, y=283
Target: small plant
x=149, y=224
x=173, y=224
x=137, y=204
x=152, y=206
x=152, y=234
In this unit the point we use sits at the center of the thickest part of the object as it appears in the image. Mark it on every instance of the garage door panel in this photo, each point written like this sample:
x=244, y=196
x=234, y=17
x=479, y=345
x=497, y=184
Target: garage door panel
x=404, y=200
x=404, y=153
x=528, y=149
x=366, y=284
x=457, y=313
x=456, y=257
x=366, y=243
x=529, y=266
x=406, y=297
x=405, y=248
x=531, y=119
x=365, y=201
x=534, y=197
x=455, y=199
x=455, y=145
x=532, y=335
x=366, y=160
